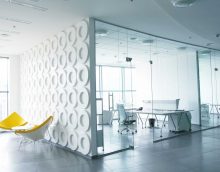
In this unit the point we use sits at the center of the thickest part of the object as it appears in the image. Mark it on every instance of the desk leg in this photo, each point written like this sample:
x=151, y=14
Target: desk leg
x=180, y=118
x=173, y=122
x=161, y=130
x=188, y=121
x=138, y=114
x=146, y=120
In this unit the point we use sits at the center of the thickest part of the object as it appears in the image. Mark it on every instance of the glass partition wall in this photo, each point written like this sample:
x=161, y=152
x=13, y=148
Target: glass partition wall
x=209, y=65
x=157, y=82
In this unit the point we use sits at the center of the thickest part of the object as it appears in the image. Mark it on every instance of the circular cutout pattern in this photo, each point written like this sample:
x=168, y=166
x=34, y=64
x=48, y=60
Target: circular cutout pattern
x=47, y=83
x=72, y=98
x=83, y=52
x=83, y=75
x=46, y=65
x=84, y=144
x=40, y=66
x=73, y=141
x=54, y=61
x=83, y=98
x=83, y=30
x=63, y=138
x=54, y=98
x=55, y=118
x=40, y=50
x=71, y=57
x=73, y=119
x=54, y=44
x=63, y=118
x=62, y=40
x=62, y=78
x=72, y=77
x=84, y=120
x=72, y=35
x=62, y=59
x=47, y=99
x=55, y=135
x=63, y=98
x=54, y=80
x=47, y=47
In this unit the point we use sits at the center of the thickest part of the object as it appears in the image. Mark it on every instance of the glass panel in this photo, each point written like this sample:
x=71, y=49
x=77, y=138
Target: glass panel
x=209, y=82
x=4, y=63
x=112, y=80
x=159, y=78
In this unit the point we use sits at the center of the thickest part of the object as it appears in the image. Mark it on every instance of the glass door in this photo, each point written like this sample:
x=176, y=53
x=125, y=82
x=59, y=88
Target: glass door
x=209, y=66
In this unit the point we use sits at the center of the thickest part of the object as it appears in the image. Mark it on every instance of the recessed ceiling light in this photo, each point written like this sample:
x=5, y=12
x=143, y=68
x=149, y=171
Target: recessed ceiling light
x=182, y=48
x=209, y=44
x=148, y=41
x=15, y=20
x=5, y=40
x=4, y=35
x=182, y=3
x=101, y=32
x=11, y=32
x=205, y=52
x=25, y=4
x=133, y=38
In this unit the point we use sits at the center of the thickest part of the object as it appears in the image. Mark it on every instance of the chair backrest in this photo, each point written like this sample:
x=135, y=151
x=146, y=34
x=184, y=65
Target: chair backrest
x=37, y=132
x=121, y=113
x=13, y=120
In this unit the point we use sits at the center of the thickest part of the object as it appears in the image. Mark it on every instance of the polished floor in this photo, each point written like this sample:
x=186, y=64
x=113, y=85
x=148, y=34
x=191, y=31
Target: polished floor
x=114, y=141
x=198, y=152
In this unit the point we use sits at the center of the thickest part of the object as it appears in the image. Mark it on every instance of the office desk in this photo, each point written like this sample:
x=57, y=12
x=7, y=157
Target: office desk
x=216, y=107
x=165, y=113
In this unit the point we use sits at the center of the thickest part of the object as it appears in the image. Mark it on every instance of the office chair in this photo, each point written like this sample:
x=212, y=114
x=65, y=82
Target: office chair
x=124, y=119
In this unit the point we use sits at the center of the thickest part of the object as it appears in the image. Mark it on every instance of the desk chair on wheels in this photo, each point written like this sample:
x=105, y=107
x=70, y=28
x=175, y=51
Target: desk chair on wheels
x=126, y=119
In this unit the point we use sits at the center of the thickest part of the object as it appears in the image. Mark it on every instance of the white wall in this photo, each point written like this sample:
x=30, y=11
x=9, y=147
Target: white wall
x=55, y=79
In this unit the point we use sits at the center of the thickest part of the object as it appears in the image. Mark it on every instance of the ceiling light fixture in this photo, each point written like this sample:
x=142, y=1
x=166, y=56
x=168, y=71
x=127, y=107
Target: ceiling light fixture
x=15, y=20
x=205, y=52
x=147, y=41
x=133, y=38
x=101, y=32
x=209, y=44
x=27, y=5
x=11, y=32
x=183, y=3
x=182, y=48
x=4, y=35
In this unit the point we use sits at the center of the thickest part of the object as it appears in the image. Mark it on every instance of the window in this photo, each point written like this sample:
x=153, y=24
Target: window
x=4, y=73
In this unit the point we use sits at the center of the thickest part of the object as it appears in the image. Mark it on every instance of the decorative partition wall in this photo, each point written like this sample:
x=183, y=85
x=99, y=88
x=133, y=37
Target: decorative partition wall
x=55, y=79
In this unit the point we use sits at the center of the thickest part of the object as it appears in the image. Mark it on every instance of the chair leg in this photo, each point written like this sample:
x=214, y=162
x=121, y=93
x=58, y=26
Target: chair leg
x=21, y=141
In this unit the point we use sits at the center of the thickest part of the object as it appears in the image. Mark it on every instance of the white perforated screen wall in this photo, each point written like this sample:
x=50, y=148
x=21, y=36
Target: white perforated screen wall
x=55, y=80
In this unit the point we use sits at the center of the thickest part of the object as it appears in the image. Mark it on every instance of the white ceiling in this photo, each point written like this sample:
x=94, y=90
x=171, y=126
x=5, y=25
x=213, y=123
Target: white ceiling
x=197, y=24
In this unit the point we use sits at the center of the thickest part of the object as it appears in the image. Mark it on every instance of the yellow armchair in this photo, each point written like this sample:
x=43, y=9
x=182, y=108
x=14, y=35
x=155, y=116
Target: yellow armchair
x=37, y=132
x=13, y=120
